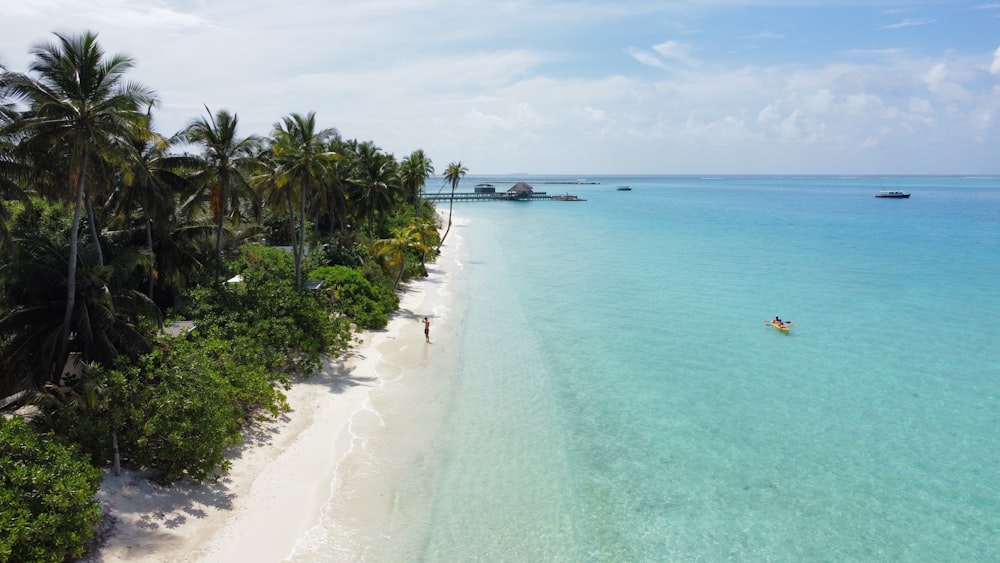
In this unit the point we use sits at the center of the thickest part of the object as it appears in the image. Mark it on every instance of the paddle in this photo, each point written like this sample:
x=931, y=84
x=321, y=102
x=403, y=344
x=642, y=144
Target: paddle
x=786, y=323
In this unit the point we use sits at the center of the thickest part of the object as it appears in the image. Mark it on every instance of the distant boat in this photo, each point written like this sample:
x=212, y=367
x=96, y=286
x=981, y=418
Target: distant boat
x=893, y=194
x=624, y=189
x=567, y=197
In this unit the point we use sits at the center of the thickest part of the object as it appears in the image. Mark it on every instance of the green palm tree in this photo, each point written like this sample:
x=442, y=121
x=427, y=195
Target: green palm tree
x=302, y=164
x=79, y=107
x=229, y=164
x=109, y=319
x=452, y=175
x=395, y=248
x=329, y=203
x=375, y=182
x=150, y=183
x=427, y=230
x=12, y=173
x=183, y=241
x=414, y=172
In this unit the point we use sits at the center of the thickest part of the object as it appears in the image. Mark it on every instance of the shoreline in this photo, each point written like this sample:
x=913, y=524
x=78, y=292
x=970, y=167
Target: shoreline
x=355, y=417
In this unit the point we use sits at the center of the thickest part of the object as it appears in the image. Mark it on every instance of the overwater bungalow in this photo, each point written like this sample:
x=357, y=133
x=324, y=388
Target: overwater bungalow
x=521, y=190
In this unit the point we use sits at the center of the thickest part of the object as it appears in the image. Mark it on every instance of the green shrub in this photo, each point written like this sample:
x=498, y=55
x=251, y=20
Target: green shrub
x=291, y=328
x=177, y=412
x=47, y=506
x=365, y=303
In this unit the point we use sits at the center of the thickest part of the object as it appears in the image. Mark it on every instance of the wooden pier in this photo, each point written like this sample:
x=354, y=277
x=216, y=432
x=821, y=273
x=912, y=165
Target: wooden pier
x=522, y=191
x=477, y=196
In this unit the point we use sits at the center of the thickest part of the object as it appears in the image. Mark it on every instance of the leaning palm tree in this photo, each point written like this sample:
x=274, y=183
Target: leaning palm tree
x=301, y=164
x=229, y=161
x=452, y=175
x=80, y=106
x=427, y=230
x=414, y=171
x=394, y=248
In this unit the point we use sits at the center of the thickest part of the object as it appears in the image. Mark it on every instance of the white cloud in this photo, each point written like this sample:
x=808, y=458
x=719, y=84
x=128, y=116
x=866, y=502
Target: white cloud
x=593, y=114
x=870, y=143
x=864, y=104
x=121, y=13
x=675, y=51
x=909, y=22
x=647, y=59
x=820, y=102
x=768, y=115
x=789, y=126
x=940, y=81
x=534, y=85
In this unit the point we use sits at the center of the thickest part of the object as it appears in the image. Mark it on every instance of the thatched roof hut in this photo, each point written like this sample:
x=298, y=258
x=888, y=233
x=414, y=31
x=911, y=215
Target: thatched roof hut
x=520, y=190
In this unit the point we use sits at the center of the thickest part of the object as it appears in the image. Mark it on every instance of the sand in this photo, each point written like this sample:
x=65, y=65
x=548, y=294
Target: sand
x=332, y=462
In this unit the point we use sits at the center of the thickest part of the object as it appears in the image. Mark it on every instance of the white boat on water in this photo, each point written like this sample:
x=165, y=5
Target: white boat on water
x=893, y=194
x=624, y=188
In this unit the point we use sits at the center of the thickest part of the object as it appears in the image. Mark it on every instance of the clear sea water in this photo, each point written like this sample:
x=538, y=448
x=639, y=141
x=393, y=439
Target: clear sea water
x=619, y=396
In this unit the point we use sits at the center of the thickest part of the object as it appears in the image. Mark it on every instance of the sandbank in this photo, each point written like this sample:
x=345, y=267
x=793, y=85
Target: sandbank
x=330, y=463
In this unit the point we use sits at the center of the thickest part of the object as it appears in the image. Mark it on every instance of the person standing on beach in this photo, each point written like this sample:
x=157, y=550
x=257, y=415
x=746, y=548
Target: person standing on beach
x=427, y=330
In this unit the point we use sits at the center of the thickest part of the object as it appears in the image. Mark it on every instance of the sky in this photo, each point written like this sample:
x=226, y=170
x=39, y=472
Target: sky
x=574, y=87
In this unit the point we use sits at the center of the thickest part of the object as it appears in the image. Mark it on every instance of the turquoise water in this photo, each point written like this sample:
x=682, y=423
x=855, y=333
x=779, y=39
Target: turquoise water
x=620, y=398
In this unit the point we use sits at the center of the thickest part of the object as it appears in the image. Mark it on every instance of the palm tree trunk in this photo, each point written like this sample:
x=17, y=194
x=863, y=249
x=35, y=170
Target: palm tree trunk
x=152, y=256
x=93, y=230
x=74, y=239
x=451, y=205
x=218, y=234
x=302, y=239
x=402, y=268
x=295, y=242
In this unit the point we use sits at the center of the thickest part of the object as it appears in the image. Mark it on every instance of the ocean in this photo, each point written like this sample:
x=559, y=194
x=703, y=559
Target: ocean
x=616, y=393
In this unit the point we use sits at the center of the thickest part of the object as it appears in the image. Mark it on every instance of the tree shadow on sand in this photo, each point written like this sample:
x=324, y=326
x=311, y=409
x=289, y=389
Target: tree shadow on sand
x=137, y=507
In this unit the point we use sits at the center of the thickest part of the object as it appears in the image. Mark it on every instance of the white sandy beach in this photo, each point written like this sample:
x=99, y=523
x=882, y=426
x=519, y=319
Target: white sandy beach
x=332, y=463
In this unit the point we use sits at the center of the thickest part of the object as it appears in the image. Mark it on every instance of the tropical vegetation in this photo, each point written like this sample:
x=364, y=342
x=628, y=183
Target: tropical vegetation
x=270, y=250
x=47, y=505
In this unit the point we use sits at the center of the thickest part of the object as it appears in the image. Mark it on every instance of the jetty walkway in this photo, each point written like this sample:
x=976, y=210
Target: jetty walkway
x=478, y=196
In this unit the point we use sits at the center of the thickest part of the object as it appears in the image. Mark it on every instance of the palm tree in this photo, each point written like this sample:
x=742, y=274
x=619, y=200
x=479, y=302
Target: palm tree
x=150, y=182
x=182, y=245
x=414, y=171
x=427, y=230
x=229, y=161
x=395, y=247
x=107, y=321
x=453, y=175
x=79, y=107
x=375, y=181
x=12, y=173
x=329, y=204
x=302, y=163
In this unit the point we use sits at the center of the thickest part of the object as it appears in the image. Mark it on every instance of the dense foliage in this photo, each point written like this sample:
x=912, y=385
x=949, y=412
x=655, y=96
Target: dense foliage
x=106, y=230
x=353, y=296
x=47, y=505
x=293, y=328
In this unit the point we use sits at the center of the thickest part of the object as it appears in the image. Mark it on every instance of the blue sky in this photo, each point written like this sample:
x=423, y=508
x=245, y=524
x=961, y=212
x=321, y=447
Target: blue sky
x=583, y=87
